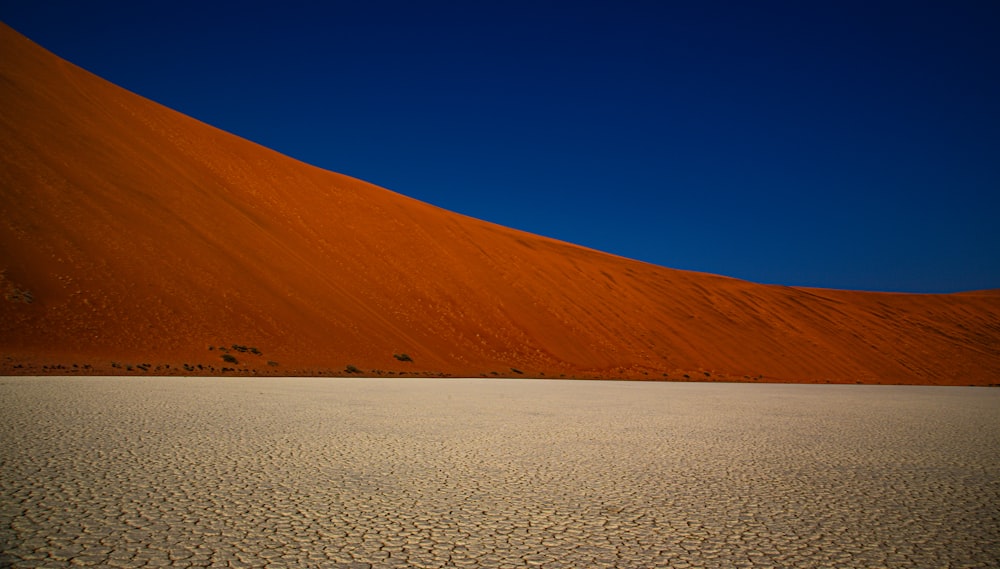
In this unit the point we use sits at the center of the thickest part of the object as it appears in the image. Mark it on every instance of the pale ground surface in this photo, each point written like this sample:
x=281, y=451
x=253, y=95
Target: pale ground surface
x=178, y=472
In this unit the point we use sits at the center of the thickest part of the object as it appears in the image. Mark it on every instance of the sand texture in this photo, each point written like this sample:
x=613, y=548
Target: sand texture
x=428, y=473
x=133, y=239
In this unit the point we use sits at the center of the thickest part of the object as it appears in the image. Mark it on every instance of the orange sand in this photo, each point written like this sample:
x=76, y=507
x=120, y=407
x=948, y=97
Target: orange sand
x=131, y=233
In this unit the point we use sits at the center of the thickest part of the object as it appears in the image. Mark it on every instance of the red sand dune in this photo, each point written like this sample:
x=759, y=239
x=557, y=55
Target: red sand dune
x=131, y=233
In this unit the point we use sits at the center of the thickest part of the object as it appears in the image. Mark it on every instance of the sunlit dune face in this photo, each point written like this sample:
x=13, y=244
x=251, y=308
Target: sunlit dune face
x=138, y=240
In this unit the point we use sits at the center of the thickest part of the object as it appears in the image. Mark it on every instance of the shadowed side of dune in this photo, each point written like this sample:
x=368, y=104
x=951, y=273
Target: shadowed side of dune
x=133, y=234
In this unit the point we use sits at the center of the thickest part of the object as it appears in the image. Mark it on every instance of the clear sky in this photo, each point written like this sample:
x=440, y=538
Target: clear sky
x=830, y=143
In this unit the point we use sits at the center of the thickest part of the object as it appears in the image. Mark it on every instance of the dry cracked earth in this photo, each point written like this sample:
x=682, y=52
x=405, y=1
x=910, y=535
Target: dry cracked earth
x=359, y=473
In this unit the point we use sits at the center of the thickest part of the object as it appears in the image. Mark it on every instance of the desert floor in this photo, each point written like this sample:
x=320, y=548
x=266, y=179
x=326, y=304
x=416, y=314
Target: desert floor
x=255, y=472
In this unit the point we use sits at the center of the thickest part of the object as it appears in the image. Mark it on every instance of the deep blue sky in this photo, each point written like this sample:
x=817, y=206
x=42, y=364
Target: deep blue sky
x=826, y=143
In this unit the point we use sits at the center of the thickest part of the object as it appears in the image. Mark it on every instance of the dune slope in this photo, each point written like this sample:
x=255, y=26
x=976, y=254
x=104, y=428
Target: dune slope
x=130, y=233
